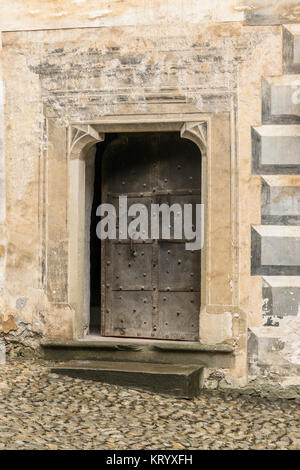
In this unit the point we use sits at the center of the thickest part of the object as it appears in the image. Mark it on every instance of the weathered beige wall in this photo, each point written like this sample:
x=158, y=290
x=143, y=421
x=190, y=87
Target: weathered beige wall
x=35, y=14
x=102, y=59
x=2, y=181
x=51, y=14
x=90, y=74
x=266, y=61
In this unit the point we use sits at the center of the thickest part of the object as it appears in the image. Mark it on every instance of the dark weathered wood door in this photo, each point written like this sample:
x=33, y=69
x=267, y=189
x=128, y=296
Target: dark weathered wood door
x=150, y=288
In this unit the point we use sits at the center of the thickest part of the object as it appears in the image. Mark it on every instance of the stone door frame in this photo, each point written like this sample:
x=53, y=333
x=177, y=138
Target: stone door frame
x=63, y=216
x=215, y=136
x=81, y=137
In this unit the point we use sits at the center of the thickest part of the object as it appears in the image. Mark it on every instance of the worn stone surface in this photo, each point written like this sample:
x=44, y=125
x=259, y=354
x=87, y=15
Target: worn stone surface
x=275, y=149
x=33, y=14
x=168, y=379
x=103, y=74
x=265, y=12
x=46, y=411
x=264, y=384
x=143, y=351
x=221, y=331
x=276, y=250
x=275, y=349
x=113, y=13
x=21, y=339
x=280, y=200
x=71, y=64
x=281, y=296
x=280, y=104
x=291, y=48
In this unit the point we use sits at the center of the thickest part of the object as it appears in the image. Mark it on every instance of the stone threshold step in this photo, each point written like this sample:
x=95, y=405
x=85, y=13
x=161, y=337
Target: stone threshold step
x=180, y=381
x=135, y=344
x=143, y=351
x=139, y=350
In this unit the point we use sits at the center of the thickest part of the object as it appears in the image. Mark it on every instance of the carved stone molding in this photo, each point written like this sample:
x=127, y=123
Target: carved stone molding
x=196, y=132
x=82, y=136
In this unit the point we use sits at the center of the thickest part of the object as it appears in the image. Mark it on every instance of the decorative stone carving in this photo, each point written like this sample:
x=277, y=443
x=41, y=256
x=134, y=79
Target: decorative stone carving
x=82, y=136
x=196, y=132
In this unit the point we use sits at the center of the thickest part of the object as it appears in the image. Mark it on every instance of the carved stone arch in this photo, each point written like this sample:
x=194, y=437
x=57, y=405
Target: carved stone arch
x=197, y=133
x=82, y=137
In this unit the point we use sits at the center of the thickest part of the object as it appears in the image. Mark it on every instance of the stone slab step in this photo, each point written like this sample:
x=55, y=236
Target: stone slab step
x=140, y=350
x=167, y=379
x=281, y=99
x=275, y=149
x=291, y=48
x=275, y=250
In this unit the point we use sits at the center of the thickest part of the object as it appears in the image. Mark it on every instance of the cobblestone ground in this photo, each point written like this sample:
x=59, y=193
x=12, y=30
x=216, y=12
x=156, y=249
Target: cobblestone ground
x=39, y=410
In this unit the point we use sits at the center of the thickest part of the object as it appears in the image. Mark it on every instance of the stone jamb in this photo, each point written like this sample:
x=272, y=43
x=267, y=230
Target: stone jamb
x=81, y=138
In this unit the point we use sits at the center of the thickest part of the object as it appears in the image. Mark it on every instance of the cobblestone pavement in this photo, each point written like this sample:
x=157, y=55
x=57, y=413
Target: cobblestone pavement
x=39, y=410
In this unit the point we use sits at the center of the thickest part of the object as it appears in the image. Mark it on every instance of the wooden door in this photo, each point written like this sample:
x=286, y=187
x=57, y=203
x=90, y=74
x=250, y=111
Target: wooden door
x=150, y=288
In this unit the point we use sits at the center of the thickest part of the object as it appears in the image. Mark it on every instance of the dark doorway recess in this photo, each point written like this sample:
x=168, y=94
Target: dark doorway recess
x=95, y=243
x=150, y=288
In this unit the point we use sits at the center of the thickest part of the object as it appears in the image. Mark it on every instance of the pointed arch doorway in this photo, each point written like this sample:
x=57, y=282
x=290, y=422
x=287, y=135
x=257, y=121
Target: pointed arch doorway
x=160, y=296
x=149, y=288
